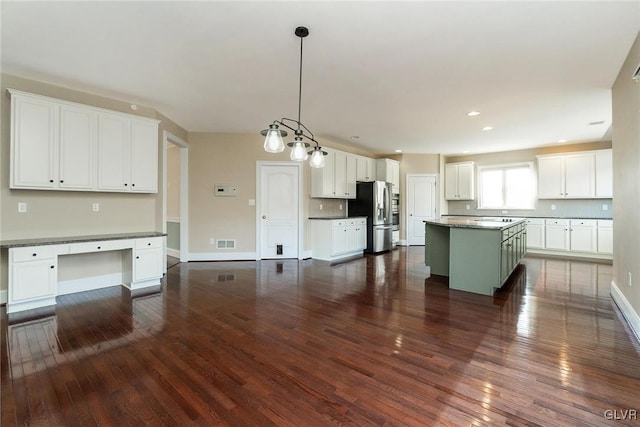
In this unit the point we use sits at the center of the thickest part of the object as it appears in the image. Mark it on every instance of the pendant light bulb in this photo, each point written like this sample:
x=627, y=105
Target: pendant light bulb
x=317, y=158
x=273, y=142
x=299, y=150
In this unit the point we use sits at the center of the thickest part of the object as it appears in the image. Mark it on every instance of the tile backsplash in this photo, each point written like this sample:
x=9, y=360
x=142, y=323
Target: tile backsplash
x=577, y=208
x=327, y=208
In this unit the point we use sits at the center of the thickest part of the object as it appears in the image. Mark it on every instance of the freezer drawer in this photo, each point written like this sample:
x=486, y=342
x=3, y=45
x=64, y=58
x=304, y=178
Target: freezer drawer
x=382, y=238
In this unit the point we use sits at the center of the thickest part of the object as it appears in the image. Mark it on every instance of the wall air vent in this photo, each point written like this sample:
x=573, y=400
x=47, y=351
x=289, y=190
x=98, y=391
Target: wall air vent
x=636, y=75
x=226, y=277
x=225, y=244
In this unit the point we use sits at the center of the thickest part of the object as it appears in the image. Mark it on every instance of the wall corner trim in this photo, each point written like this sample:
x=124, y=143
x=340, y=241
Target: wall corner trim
x=3, y=296
x=632, y=318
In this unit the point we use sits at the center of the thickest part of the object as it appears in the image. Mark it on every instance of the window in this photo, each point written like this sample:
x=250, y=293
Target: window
x=506, y=186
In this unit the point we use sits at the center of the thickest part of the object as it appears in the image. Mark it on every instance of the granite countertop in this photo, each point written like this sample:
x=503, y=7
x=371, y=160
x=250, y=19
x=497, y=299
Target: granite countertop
x=533, y=216
x=334, y=217
x=474, y=223
x=77, y=239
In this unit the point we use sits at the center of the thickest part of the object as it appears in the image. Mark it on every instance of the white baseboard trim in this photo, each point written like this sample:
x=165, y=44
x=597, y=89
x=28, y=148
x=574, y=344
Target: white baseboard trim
x=632, y=318
x=3, y=297
x=402, y=243
x=221, y=256
x=89, y=283
x=171, y=219
x=173, y=252
x=569, y=254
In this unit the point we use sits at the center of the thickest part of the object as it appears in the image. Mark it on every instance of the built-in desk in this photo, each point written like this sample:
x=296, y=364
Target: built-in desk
x=33, y=266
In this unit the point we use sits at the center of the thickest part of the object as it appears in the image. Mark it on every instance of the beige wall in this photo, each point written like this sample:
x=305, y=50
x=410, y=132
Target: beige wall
x=626, y=180
x=219, y=158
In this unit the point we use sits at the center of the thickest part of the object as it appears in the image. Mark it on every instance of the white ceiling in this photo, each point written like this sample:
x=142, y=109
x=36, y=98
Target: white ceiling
x=400, y=75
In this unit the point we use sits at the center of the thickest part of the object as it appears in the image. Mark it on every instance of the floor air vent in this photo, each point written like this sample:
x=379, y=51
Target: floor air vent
x=225, y=244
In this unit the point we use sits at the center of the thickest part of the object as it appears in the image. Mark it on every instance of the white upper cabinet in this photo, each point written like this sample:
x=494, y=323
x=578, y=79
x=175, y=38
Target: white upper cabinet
x=389, y=170
x=604, y=174
x=34, y=141
x=77, y=159
x=365, y=169
x=337, y=179
x=60, y=145
x=572, y=176
x=459, y=181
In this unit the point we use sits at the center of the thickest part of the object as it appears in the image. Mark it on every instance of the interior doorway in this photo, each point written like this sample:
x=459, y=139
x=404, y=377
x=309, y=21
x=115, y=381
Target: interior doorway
x=175, y=199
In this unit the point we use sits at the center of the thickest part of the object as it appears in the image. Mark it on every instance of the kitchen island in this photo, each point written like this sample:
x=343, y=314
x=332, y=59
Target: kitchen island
x=477, y=254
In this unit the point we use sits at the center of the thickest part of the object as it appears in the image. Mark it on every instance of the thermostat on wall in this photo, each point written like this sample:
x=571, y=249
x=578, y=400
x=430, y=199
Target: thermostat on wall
x=225, y=190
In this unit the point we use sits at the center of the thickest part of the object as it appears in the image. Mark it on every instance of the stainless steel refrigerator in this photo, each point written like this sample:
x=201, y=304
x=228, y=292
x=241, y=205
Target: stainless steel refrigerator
x=373, y=200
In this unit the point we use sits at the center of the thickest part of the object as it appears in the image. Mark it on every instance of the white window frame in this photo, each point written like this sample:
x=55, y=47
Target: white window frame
x=504, y=166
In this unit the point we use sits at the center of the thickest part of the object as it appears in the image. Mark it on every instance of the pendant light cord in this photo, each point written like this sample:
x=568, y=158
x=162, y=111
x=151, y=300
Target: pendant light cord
x=300, y=85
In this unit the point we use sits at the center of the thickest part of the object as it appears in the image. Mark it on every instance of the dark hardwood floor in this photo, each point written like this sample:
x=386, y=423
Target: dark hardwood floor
x=368, y=342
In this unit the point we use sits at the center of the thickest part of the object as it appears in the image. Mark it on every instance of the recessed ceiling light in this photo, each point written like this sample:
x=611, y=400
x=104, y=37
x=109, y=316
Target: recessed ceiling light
x=598, y=122
x=398, y=151
x=562, y=140
x=473, y=113
x=354, y=137
x=465, y=152
x=487, y=128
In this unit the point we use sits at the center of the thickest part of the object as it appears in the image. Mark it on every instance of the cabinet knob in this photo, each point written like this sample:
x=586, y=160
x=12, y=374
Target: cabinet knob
x=53, y=266
x=125, y=184
x=99, y=247
x=137, y=257
x=62, y=180
x=264, y=217
x=35, y=254
x=133, y=185
x=50, y=180
x=149, y=244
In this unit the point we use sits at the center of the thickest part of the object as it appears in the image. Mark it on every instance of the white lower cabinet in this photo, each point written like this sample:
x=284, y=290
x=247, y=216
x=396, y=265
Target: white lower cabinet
x=605, y=236
x=339, y=238
x=582, y=237
x=535, y=233
x=557, y=234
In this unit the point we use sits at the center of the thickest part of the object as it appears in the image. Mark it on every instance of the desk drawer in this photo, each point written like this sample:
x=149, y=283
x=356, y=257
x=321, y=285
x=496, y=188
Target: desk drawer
x=99, y=246
x=149, y=242
x=32, y=253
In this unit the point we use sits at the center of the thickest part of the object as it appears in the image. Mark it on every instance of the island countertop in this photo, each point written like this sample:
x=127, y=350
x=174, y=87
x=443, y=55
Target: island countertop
x=481, y=223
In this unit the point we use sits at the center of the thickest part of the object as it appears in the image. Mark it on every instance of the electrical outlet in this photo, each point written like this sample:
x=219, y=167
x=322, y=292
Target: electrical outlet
x=22, y=207
x=320, y=207
x=340, y=206
x=468, y=207
x=504, y=212
x=96, y=207
x=212, y=241
x=629, y=279
x=553, y=207
x=252, y=202
x=605, y=207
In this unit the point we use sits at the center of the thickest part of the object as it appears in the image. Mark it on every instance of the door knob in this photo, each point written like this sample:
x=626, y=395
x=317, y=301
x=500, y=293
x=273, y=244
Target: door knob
x=264, y=217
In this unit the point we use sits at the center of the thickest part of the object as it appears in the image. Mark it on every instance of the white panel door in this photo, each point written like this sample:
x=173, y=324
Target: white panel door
x=279, y=211
x=421, y=205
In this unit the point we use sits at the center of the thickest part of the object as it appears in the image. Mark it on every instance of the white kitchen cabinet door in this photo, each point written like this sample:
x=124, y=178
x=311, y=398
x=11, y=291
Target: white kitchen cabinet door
x=34, y=141
x=365, y=169
x=604, y=174
x=323, y=179
x=113, y=152
x=340, y=174
x=388, y=170
x=579, y=175
x=535, y=233
x=77, y=149
x=144, y=157
x=350, y=176
x=339, y=239
x=459, y=181
x=605, y=236
x=557, y=234
x=551, y=177
x=147, y=264
x=583, y=235
x=31, y=280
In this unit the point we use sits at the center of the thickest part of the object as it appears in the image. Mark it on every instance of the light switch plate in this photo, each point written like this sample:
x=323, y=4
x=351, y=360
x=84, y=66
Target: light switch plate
x=22, y=207
x=96, y=207
x=553, y=207
x=605, y=207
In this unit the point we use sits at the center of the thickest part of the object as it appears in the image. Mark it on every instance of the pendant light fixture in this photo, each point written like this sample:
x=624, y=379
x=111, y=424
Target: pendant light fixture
x=273, y=141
